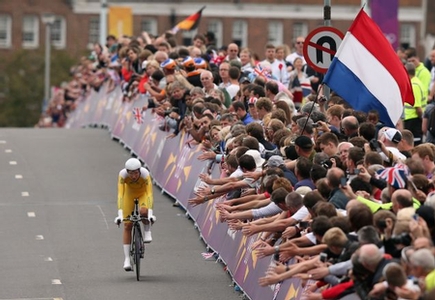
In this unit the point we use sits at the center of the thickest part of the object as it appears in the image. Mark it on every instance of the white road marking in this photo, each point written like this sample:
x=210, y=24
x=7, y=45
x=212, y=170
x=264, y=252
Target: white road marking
x=25, y=194
x=39, y=237
x=104, y=216
x=48, y=259
x=8, y=150
x=12, y=162
x=31, y=214
x=56, y=281
x=18, y=176
x=2, y=142
x=34, y=299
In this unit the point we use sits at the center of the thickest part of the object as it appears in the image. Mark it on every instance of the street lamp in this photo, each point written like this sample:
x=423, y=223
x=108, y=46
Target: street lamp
x=48, y=20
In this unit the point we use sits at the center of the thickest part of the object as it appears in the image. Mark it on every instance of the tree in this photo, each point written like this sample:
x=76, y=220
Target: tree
x=23, y=85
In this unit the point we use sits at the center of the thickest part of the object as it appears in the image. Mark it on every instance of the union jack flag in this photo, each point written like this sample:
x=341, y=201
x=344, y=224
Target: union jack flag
x=395, y=176
x=137, y=113
x=260, y=71
x=207, y=255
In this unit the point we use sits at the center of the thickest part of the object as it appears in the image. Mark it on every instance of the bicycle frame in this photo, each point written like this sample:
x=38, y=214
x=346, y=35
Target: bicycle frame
x=137, y=247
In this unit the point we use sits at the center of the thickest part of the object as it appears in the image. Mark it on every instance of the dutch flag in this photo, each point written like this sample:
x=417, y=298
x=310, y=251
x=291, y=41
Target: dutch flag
x=367, y=73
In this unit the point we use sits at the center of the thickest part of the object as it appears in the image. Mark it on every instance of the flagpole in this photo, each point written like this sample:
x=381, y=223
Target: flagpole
x=326, y=22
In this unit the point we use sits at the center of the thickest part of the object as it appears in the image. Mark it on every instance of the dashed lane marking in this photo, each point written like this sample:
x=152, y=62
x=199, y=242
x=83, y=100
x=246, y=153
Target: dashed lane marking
x=33, y=299
x=8, y=150
x=39, y=237
x=25, y=194
x=12, y=162
x=18, y=176
x=31, y=214
x=56, y=281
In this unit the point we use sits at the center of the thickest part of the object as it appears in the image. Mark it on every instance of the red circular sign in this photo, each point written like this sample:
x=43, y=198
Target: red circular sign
x=316, y=53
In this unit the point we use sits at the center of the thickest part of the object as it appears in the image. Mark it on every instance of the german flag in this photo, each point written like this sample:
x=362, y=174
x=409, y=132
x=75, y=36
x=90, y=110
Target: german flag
x=190, y=23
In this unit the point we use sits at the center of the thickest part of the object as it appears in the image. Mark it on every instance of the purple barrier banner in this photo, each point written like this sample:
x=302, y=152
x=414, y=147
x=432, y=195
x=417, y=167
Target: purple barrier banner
x=175, y=167
x=386, y=14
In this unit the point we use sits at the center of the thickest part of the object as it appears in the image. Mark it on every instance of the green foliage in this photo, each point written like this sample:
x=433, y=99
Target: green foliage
x=23, y=85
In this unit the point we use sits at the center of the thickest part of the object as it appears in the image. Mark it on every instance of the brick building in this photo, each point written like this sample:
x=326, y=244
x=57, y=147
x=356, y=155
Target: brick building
x=250, y=23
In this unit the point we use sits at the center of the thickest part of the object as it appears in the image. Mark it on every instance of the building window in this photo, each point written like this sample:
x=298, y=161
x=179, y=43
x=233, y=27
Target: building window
x=275, y=33
x=58, y=32
x=149, y=25
x=188, y=37
x=215, y=26
x=407, y=35
x=240, y=33
x=5, y=31
x=299, y=29
x=94, y=30
x=30, y=31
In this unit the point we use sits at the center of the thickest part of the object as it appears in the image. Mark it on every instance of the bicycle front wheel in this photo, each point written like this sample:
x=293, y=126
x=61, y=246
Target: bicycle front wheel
x=138, y=245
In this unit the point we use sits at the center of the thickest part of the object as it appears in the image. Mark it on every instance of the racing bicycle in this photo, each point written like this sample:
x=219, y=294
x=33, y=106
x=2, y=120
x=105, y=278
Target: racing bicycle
x=137, y=248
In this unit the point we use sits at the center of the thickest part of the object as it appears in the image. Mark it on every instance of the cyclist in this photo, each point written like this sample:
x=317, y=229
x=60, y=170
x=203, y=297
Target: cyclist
x=134, y=182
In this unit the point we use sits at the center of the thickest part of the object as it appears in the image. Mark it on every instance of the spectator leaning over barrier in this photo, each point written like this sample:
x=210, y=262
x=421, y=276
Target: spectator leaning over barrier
x=247, y=163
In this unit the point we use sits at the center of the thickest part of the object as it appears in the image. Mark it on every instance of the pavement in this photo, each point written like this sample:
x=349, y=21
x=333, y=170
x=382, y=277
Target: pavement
x=58, y=236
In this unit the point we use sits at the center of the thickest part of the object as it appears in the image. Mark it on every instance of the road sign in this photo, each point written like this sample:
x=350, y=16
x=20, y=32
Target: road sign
x=320, y=46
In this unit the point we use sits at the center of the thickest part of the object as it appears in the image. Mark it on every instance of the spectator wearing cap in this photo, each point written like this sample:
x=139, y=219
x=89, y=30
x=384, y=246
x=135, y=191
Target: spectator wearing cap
x=200, y=63
x=168, y=66
x=304, y=146
x=425, y=154
x=304, y=126
x=391, y=138
x=238, y=108
x=207, y=82
x=276, y=161
x=252, y=109
x=232, y=51
x=247, y=61
x=337, y=197
x=192, y=75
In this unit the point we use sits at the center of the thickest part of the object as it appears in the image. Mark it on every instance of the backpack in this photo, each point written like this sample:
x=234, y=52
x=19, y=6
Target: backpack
x=431, y=122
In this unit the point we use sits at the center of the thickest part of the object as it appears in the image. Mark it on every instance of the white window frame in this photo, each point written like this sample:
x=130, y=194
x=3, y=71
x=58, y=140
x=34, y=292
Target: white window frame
x=30, y=26
x=149, y=25
x=216, y=27
x=275, y=33
x=299, y=29
x=6, y=22
x=240, y=32
x=61, y=42
x=94, y=30
x=408, y=34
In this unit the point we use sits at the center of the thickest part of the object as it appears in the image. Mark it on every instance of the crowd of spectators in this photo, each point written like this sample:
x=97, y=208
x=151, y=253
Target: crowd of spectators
x=337, y=198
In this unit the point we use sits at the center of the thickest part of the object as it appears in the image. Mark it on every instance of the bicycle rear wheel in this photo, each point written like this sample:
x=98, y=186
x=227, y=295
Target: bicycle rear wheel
x=138, y=245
